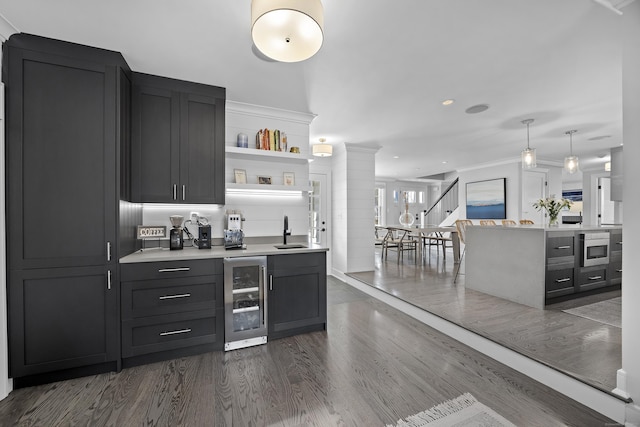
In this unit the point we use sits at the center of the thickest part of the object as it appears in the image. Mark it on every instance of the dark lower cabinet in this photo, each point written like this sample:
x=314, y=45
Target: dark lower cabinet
x=297, y=298
x=62, y=318
x=171, y=309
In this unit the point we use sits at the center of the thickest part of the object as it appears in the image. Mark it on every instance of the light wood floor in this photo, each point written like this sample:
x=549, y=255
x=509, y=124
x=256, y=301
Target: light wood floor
x=587, y=350
x=371, y=367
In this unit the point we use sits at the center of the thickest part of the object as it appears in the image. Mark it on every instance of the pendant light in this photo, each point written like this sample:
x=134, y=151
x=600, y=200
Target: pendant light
x=287, y=30
x=322, y=149
x=571, y=163
x=528, y=155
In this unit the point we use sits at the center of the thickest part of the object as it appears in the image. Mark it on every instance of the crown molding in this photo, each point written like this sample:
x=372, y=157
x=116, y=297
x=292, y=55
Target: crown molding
x=268, y=112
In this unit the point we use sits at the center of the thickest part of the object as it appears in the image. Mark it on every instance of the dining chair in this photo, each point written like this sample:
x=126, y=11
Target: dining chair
x=400, y=240
x=508, y=222
x=487, y=222
x=526, y=222
x=438, y=239
x=461, y=226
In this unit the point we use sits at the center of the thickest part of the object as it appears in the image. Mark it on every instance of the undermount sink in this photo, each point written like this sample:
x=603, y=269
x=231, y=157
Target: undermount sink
x=290, y=246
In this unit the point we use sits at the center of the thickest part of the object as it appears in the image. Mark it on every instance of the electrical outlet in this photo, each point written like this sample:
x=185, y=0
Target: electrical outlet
x=194, y=217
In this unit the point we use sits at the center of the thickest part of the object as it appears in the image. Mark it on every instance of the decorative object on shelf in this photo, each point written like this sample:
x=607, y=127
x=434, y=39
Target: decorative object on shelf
x=571, y=162
x=295, y=150
x=528, y=155
x=287, y=30
x=406, y=218
x=264, y=180
x=271, y=139
x=151, y=231
x=289, y=178
x=240, y=175
x=243, y=140
x=322, y=149
x=552, y=208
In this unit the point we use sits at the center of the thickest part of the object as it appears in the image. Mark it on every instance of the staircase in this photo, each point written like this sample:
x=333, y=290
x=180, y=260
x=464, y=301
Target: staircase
x=446, y=204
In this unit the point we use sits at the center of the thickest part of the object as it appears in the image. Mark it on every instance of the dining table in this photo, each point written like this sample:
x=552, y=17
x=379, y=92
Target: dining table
x=424, y=231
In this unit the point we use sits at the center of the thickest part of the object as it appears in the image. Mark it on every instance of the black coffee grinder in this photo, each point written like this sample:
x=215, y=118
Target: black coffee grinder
x=176, y=241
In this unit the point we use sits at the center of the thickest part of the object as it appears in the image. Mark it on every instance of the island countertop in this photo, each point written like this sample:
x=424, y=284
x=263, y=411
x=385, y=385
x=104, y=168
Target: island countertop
x=555, y=228
x=165, y=254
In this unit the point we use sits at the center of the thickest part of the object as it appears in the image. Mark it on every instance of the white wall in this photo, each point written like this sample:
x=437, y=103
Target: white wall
x=353, y=208
x=511, y=171
x=631, y=228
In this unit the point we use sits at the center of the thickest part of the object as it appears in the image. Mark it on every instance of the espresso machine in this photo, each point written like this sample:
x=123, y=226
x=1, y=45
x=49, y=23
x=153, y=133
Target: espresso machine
x=176, y=241
x=233, y=234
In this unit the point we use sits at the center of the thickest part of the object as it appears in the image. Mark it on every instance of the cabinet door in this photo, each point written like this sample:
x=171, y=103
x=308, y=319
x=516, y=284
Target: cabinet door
x=201, y=149
x=61, y=160
x=155, y=154
x=62, y=318
x=297, y=299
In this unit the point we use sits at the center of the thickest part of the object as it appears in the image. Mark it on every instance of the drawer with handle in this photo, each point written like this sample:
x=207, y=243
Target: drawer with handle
x=592, y=278
x=156, y=297
x=559, y=282
x=560, y=246
x=147, y=335
x=170, y=269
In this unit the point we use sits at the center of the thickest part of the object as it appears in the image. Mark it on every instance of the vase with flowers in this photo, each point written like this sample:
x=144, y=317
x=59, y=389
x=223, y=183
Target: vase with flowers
x=552, y=207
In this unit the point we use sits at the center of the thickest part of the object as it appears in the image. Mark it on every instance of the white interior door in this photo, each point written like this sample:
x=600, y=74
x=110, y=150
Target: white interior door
x=318, y=209
x=534, y=188
x=606, y=208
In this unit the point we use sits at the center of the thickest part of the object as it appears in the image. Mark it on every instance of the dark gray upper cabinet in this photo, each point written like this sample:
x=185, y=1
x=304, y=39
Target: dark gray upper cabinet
x=62, y=153
x=177, y=141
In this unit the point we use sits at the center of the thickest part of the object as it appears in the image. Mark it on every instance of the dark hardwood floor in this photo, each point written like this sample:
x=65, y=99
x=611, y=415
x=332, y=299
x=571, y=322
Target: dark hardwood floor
x=372, y=366
x=585, y=349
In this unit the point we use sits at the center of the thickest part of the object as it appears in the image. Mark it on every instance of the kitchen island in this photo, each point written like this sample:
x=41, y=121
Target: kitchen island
x=535, y=265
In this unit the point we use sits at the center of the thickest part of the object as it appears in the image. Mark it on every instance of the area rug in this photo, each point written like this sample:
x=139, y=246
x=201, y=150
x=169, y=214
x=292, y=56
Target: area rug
x=463, y=411
x=608, y=312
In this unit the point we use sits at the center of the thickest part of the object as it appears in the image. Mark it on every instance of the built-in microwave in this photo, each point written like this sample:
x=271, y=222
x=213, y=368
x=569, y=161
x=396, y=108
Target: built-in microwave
x=594, y=248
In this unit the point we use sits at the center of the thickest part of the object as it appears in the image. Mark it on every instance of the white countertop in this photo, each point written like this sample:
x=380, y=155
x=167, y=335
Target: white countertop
x=165, y=254
x=556, y=228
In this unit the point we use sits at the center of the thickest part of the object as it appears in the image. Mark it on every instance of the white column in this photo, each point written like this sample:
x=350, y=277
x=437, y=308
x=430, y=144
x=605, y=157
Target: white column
x=353, y=185
x=629, y=376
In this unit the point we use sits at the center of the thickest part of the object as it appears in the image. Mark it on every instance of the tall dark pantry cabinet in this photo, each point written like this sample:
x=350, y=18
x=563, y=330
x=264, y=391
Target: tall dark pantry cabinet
x=66, y=113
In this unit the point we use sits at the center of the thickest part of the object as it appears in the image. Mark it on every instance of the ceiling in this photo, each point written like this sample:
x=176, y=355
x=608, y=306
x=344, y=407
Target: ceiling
x=384, y=69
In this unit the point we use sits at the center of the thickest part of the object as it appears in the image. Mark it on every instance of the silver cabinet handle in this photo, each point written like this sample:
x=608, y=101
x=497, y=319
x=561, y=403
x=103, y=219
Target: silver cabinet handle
x=109, y=279
x=619, y=271
x=563, y=247
x=271, y=282
x=175, y=191
x=179, y=331
x=595, y=277
x=108, y=251
x=566, y=279
x=171, y=270
x=163, y=297
x=619, y=243
x=183, y=191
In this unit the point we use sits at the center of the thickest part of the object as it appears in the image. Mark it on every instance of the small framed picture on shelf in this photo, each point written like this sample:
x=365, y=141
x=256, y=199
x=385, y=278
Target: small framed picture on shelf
x=264, y=180
x=241, y=176
x=289, y=178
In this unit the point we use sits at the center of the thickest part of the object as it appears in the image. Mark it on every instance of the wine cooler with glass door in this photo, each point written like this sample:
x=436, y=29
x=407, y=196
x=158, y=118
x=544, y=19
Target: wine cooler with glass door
x=245, y=302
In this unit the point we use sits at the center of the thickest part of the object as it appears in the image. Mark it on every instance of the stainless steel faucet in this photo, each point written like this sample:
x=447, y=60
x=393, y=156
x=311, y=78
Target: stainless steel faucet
x=286, y=231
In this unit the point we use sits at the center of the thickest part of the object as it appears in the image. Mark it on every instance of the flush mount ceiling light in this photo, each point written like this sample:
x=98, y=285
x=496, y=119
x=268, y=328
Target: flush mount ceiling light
x=475, y=109
x=528, y=154
x=287, y=30
x=322, y=149
x=571, y=162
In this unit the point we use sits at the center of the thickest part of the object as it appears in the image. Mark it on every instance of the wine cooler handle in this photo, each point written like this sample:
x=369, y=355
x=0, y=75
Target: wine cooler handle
x=264, y=296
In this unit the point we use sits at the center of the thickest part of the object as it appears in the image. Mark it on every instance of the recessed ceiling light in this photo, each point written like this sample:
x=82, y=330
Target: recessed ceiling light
x=444, y=162
x=396, y=157
x=475, y=109
x=448, y=101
